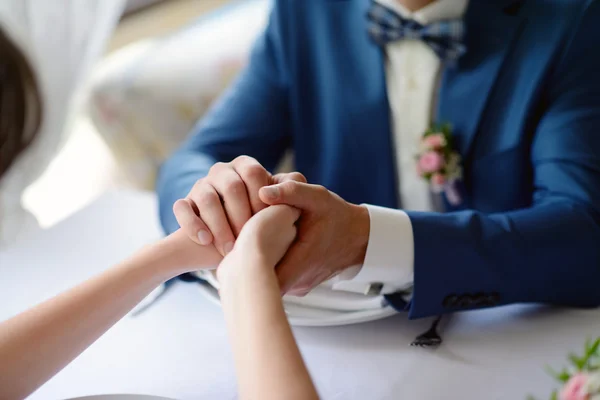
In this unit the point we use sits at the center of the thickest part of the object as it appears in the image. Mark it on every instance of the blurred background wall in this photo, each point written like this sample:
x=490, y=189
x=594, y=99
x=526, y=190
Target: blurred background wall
x=166, y=62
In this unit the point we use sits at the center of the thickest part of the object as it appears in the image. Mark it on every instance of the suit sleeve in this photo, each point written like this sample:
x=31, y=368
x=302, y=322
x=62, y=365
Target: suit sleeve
x=251, y=118
x=550, y=252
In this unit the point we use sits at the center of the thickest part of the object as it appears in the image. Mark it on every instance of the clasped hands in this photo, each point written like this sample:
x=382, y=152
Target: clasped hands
x=231, y=208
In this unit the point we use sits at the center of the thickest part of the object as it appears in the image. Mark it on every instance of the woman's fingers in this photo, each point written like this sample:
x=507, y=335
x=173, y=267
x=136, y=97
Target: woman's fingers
x=270, y=233
x=232, y=191
x=254, y=176
x=191, y=223
x=218, y=206
x=210, y=209
x=280, y=214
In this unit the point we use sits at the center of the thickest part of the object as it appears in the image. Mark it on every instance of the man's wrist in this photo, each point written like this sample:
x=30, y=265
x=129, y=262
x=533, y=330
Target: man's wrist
x=359, y=234
x=390, y=251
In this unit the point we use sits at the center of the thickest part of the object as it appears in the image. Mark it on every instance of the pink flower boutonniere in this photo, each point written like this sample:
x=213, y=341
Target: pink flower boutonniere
x=581, y=380
x=439, y=164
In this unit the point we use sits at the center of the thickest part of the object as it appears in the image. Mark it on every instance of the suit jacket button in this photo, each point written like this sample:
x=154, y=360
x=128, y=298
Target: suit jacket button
x=450, y=301
x=480, y=299
x=464, y=301
x=493, y=298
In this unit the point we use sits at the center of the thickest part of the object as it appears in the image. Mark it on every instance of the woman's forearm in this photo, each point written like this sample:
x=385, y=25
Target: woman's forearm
x=38, y=343
x=268, y=362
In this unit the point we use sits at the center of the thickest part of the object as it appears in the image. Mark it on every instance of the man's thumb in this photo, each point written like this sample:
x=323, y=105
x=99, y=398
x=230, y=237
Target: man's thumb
x=296, y=194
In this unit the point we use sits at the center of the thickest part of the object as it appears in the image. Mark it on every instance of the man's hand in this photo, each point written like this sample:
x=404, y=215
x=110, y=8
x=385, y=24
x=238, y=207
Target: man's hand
x=332, y=235
x=220, y=204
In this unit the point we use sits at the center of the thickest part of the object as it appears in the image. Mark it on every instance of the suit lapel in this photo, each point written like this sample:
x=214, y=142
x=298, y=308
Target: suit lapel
x=491, y=28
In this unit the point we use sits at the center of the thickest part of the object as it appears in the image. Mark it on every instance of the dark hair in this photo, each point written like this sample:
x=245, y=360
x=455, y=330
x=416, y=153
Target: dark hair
x=20, y=103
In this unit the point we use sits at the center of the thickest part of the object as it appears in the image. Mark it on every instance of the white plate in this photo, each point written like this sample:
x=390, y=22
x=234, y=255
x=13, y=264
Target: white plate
x=322, y=307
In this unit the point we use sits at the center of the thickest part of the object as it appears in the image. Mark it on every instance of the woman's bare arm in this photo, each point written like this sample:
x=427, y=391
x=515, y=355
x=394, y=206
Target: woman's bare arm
x=268, y=362
x=38, y=343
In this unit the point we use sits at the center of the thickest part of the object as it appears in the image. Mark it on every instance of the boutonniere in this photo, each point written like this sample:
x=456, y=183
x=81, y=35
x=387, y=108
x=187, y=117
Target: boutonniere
x=581, y=380
x=439, y=164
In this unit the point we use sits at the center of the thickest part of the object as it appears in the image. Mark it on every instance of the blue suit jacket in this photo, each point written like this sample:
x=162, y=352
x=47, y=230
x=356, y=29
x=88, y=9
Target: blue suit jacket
x=525, y=106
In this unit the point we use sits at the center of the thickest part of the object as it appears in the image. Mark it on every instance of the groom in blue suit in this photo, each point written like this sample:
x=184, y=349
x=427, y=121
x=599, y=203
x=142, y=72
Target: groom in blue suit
x=350, y=86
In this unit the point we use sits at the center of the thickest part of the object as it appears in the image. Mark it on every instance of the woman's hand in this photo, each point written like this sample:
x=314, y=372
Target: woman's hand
x=263, y=241
x=262, y=340
x=179, y=254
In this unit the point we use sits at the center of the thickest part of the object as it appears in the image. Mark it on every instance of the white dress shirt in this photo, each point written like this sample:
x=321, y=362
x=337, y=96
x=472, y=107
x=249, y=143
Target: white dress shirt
x=413, y=74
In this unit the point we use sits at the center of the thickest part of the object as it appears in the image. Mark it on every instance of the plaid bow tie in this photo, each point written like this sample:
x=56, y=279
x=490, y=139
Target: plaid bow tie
x=446, y=38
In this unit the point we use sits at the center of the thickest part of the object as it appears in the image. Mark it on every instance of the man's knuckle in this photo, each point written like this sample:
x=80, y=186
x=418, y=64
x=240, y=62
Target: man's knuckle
x=234, y=187
x=321, y=190
x=208, y=200
x=216, y=168
x=243, y=159
x=253, y=172
x=297, y=176
x=290, y=187
x=199, y=183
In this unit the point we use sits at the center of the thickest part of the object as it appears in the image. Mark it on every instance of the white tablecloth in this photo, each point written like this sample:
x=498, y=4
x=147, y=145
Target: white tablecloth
x=178, y=348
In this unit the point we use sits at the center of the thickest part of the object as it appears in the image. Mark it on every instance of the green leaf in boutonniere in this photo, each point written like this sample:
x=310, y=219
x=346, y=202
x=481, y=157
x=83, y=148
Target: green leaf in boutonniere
x=590, y=359
x=578, y=362
x=593, y=348
x=446, y=131
x=562, y=376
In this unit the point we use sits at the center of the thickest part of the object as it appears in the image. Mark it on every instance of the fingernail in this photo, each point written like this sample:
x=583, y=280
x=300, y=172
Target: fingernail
x=204, y=237
x=272, y=192
x=228, y=247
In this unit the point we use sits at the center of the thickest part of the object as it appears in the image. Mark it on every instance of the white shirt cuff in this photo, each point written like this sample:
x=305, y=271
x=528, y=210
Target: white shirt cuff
x=389, y=262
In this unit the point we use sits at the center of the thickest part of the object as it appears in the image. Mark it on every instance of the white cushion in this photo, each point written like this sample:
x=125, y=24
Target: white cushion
x=146, y=98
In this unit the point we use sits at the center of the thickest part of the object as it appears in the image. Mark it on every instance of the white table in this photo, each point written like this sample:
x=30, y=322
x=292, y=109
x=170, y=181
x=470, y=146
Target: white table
x=178, y=348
